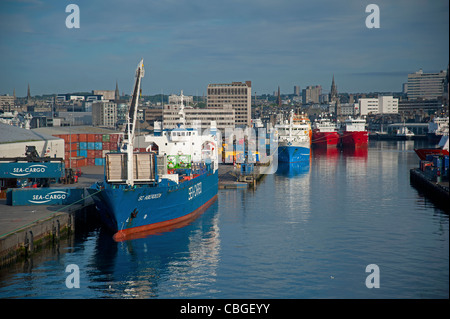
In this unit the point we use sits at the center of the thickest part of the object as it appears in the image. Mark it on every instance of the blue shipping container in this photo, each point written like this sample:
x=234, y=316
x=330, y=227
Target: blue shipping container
x=99, y=161
x=91, y=145
x=83, y=153
x=98, y=146
x=43, y=196
x=446, y=157
x=83, y=145
x=31, y=170
x=437, y=161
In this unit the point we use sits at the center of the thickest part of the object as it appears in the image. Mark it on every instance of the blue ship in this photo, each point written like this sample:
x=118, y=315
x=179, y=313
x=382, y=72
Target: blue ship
x=294, y=139
x=149, y=191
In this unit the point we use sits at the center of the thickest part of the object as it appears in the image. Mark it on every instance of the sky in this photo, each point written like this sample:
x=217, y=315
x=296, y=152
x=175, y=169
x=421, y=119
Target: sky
x=187, y=44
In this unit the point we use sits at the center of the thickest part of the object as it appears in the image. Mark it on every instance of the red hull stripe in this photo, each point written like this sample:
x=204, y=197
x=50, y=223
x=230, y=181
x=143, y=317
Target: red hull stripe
x=168, y=225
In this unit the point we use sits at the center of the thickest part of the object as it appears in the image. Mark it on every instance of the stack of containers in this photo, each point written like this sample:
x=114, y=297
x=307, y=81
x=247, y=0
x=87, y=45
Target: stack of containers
x=88, y=149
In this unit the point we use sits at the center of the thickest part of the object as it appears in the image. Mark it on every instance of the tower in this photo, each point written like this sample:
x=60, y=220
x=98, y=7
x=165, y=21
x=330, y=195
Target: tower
x=333, y=92
x=117, y=94
x=28, y=93
x=334, y=98
x=279, y=98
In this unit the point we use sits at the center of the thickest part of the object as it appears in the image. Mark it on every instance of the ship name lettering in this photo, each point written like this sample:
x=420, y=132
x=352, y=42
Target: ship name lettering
x=195, y=190
x=147, y=197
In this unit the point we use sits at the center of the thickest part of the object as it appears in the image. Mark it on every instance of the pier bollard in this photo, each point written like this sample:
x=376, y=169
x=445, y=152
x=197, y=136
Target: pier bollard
x=31, y=244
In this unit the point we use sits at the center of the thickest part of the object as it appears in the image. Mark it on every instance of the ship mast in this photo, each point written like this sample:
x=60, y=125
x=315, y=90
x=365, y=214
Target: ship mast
x=127, y=144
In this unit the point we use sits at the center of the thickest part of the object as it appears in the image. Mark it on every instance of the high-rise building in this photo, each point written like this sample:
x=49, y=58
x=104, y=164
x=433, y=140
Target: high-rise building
x=426, y=86
x=104, y=114
x=297, y=90
x=379, y=105
x=236, y=94
x=311, y=94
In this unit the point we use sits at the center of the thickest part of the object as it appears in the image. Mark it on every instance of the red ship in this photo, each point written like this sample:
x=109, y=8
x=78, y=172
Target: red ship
x=354, y=133
x=442, y=149
x=325, y=134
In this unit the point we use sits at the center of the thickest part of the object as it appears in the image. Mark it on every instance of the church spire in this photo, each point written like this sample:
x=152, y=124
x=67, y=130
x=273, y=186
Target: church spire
x=279, y=97
x=333, y=92
x=117, y=94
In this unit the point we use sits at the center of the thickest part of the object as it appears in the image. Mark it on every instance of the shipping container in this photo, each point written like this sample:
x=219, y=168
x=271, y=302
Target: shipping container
x=105, y=138
x=98, y=154
x=43, y=196
x=98, y=146
x=90, y=161
x=99, y=161
x=90, y=137
x=31, y=169
x=446, y=158
x=98, y=137
x=91, y=145
x=82, y=145
x=113, y=138
x=437, y=162
x=106, y=146
x=82, y=162
x=82, y=138
x=83, y=153
x=70, y=154
x=90, y=153
x=70, y=146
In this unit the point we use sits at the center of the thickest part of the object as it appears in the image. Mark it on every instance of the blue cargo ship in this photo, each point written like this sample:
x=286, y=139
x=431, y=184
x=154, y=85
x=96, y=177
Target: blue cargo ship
x=294, y=139
x=148, y=191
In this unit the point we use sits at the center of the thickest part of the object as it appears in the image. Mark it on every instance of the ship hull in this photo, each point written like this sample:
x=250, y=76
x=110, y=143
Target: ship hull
x=146, y=208
x=355, y=139
x=325, y=139
x=293, y=153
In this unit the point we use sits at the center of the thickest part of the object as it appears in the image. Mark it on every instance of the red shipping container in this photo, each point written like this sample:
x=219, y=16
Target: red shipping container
x=82, y=138
x=98, y=137
x=105, y=145
x=90, y=153
x=90, y=137
x=90, y=162
x=113, y=137
x=73, y=138
x=98, y=153
x=65, y=137
x=82, y=162
x=70, y=147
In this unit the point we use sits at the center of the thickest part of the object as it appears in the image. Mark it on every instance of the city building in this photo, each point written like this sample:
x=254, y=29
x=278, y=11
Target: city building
x=387, y=105
x=104, y=114
x=236, y=94
x=379, y=105
x=6, y=103
x=426, y=86
x=108, y=95
x=311, y=94
x=176, y=99
x=297, y=90
x=224, y=117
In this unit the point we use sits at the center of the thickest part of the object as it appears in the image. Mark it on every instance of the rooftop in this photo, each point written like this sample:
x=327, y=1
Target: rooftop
x=13, y=134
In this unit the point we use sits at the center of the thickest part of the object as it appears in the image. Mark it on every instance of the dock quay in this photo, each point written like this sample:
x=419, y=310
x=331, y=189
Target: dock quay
x=230, y=176
x=25, y=229
x=434, y=188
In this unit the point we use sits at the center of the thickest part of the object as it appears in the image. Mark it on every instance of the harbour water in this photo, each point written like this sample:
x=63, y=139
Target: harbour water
x=308, y=231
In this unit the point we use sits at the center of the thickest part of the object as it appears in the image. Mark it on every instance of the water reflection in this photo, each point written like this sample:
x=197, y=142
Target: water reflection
x=185, y=258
